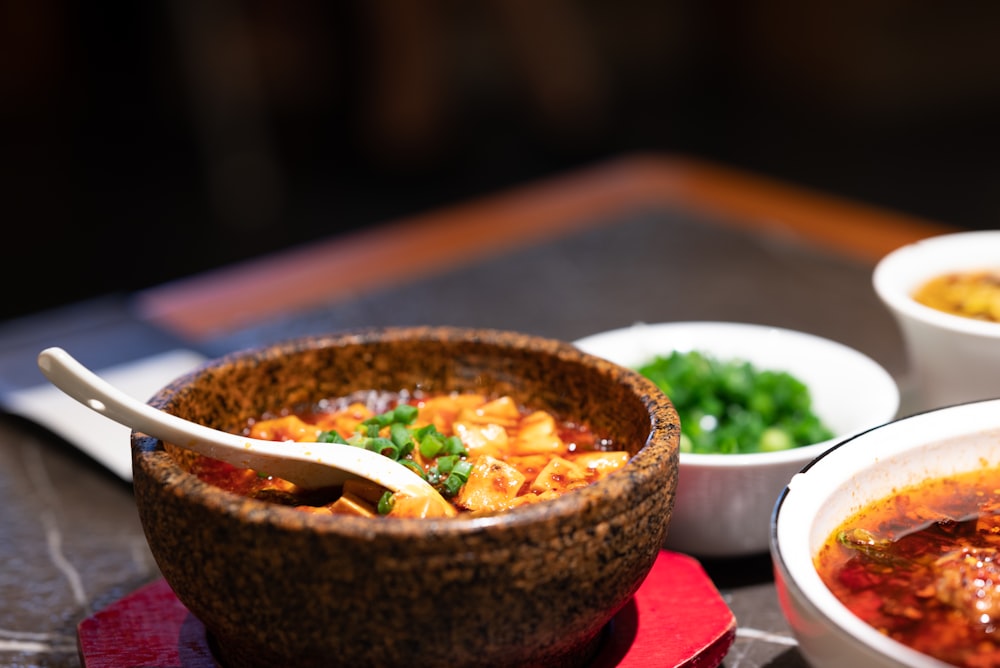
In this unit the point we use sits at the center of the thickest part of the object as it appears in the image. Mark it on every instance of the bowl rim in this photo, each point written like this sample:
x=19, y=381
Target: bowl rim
x=902, y=270
x=659, y=448
x=889, y=387
x=790, y=531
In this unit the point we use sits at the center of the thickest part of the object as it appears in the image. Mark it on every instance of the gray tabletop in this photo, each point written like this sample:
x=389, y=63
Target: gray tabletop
x=70, y=539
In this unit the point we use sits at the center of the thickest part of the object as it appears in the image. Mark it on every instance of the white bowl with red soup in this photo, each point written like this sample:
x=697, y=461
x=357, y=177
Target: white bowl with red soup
x=886, y=548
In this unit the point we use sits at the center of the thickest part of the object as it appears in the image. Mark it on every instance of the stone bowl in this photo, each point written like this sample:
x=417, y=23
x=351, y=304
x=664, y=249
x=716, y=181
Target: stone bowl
x=533, y=586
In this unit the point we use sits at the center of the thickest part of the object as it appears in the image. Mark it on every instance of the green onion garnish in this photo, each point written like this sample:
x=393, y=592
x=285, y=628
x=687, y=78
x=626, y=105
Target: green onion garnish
x=385, y=503
x=449, y=471
x=404, y=413
x=383, y=446
x=330, y=437
x=415, y=467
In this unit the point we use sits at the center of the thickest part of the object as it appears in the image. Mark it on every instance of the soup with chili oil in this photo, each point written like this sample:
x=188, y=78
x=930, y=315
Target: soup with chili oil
x=483, y=454
x=923, y=567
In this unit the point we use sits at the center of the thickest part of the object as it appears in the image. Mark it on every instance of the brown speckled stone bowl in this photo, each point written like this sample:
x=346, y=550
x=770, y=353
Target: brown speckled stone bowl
x=534, y=586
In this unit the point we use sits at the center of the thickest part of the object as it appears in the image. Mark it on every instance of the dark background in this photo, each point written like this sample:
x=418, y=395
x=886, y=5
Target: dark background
x=145, y=141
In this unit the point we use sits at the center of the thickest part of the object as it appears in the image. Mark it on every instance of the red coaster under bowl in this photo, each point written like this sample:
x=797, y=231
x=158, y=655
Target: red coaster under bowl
x=677, y=618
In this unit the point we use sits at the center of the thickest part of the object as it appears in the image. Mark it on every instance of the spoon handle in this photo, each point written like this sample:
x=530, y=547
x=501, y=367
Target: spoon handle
x=311, y=465
x=82, y=384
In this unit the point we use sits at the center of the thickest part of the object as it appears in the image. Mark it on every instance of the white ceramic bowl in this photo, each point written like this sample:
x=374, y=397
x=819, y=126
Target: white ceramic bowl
x=953, y=359
x=724, y=501
x=847, y=477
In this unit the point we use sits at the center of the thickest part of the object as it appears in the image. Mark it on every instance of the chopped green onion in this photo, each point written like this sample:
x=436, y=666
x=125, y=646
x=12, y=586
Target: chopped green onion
x=431, y=444
x=451, y=485
x=447, y=463
x=385, y=503
x=400, y=435
x=415, y=467
x=330, y=436
x=421, y=432
x=729, y=406
x=380, y=420
x=449, y=471
x=383, y=446
x=454, y=446
x=774, y=439
x=405, y=413
x=461, y=470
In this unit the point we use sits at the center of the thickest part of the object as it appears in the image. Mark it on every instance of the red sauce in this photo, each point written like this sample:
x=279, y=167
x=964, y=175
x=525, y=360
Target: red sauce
x=923, y=567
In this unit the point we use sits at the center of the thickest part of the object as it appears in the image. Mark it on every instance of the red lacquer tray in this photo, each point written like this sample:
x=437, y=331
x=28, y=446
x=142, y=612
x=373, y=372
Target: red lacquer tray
x=677, y=618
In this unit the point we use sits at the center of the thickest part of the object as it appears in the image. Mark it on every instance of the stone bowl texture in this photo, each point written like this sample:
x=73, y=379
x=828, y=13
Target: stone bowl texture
x=534, y=586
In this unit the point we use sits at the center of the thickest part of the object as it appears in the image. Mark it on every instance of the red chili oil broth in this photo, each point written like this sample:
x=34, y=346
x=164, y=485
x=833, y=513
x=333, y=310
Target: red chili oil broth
x=894, y=588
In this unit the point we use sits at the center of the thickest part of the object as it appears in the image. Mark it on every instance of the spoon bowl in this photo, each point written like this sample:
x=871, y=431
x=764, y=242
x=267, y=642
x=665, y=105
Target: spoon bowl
x=308, y=465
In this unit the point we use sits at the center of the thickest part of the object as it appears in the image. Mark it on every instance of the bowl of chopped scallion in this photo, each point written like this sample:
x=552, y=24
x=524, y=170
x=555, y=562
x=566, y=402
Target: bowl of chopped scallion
x=757, y=404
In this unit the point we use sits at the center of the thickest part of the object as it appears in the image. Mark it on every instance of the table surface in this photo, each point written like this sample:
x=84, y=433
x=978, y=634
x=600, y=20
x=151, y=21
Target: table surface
x=648, y=238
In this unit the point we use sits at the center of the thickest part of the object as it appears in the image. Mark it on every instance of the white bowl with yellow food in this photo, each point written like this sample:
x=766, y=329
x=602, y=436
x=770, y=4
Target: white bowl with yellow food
x=944, y=293
x=724, y=498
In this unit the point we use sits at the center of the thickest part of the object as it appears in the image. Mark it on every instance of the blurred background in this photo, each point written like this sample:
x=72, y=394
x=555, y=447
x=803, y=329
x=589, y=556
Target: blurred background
x=145, y=141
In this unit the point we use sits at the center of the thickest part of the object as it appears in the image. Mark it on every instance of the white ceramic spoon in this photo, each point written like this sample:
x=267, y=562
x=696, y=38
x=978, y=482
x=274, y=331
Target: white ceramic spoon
x=310, y=465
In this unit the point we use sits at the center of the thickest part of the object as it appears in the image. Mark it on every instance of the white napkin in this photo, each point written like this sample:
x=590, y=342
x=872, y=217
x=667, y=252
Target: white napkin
x=102, y=438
